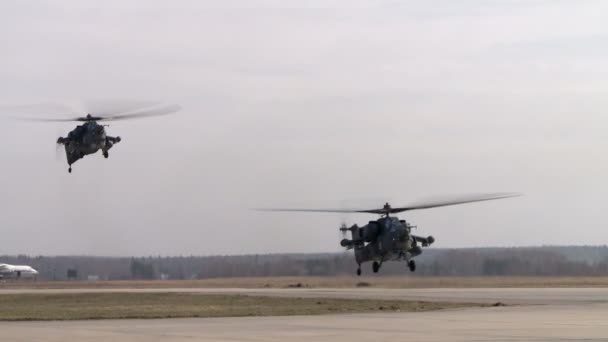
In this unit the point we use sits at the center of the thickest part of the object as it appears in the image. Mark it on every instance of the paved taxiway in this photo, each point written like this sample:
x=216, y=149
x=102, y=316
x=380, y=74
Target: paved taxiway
x=563, y=314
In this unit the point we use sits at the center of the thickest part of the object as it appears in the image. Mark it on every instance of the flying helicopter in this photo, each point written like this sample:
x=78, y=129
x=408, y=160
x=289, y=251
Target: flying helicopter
x=388, y=238
x=91, y=136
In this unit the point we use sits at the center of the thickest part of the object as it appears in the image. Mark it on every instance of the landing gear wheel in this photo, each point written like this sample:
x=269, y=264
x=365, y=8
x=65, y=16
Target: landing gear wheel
x=375, y=267
x=70, y=169
x=106, y=154
x=359, y=271
x=412, y=265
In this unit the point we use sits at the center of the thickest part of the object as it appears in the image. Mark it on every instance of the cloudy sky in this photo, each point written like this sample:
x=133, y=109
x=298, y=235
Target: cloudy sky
x=326, y=103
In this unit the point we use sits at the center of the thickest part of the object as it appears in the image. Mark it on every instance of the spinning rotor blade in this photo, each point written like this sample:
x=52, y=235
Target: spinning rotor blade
x=150, y=109
x=387, y=209
x=454, y=201
x=144, y=112
x=103, y=108
x=40, y=110
x=47, y=120
x=46, y=108
x=314, y=210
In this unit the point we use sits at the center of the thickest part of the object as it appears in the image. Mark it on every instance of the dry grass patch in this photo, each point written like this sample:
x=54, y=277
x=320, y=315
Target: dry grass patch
x=327, y=282
x=173, y=305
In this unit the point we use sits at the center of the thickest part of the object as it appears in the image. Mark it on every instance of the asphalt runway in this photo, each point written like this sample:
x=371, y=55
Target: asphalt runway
x=536, y=315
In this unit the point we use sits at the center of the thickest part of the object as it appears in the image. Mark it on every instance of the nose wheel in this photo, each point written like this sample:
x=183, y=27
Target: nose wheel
x=106, y=154
x=376, y=267
x=70, y=169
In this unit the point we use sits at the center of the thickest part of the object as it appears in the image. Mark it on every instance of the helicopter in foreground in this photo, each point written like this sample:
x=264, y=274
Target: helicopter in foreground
x=389, y=238
x=91, y=136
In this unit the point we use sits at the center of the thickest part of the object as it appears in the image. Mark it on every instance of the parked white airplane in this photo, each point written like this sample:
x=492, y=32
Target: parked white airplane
x=17, y=271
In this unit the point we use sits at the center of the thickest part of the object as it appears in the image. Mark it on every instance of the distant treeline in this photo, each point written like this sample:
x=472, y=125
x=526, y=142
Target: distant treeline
x=522, y=261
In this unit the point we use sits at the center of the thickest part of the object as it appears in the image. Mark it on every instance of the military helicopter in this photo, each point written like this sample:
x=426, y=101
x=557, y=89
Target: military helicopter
x=91, y=137
x=389, y=238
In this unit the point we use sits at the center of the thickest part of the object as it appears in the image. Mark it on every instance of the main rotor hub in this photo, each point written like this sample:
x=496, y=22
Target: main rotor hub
x=90, y=118
x=387, y=208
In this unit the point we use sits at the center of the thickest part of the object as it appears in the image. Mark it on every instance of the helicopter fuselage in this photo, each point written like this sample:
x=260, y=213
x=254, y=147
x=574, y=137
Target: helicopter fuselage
x=86, y=139
x=387, y=238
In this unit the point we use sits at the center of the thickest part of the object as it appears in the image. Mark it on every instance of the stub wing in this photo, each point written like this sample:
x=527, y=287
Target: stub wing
x=424, y=241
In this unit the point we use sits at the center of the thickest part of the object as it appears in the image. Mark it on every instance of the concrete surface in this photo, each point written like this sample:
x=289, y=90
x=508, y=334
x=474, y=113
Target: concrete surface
x=565, y=314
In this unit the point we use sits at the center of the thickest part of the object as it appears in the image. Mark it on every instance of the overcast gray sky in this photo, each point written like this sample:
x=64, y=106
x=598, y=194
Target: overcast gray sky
x=306, y=103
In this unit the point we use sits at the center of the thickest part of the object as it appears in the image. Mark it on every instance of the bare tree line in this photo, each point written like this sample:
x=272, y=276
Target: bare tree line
x=528, y=261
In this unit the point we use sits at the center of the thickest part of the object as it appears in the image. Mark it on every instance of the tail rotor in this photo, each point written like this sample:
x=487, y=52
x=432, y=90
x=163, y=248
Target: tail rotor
x=60, y=147
x=59, y=153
